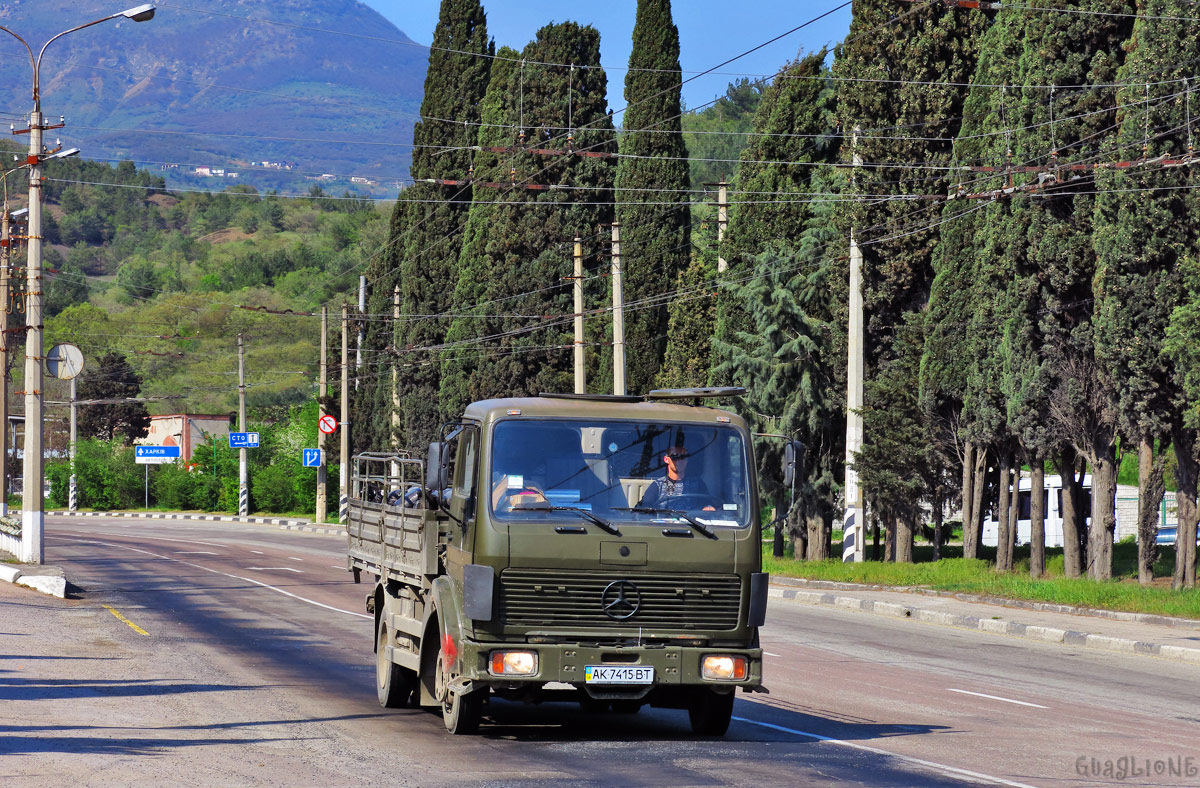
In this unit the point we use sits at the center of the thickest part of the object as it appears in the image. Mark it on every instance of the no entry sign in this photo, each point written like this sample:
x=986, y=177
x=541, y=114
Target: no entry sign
x=327, y=424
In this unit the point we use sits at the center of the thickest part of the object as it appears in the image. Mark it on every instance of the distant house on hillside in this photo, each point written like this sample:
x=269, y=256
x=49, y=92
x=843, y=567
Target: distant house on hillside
x=186, y=430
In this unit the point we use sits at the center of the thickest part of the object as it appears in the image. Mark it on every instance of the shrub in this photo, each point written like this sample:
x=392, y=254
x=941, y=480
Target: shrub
x=272, y=489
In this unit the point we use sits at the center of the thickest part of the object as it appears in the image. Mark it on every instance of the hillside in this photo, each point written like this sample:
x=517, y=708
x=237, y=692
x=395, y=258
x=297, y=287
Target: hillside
x=245, y=90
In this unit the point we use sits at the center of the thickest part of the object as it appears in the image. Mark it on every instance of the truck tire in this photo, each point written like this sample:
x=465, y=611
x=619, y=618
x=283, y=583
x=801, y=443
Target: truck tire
x=393, y=684
x=461, y=714
x=710, y=711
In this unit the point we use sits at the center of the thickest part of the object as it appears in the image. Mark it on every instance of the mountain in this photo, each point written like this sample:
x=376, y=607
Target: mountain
x=328, y=87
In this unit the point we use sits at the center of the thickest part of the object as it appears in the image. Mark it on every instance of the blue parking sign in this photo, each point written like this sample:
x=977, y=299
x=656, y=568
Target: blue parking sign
x=312, y=458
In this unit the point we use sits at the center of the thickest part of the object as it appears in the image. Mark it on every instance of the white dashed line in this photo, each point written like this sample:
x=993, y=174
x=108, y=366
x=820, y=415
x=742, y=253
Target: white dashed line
x=194, y=552
x=769, y=654
x=294, y=558
x=996, y=697
x=275, y=569
x=257, y=552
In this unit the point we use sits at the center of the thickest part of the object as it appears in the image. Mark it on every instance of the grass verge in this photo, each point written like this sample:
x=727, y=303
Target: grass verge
x=976, y=576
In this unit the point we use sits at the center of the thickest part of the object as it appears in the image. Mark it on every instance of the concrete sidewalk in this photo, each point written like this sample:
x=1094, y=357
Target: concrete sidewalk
x=1130, y=633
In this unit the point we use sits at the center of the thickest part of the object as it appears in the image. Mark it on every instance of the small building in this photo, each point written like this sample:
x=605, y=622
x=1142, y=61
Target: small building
x=185, y=430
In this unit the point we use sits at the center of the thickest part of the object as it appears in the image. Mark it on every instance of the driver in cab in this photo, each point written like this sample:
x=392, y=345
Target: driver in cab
x=675, y=483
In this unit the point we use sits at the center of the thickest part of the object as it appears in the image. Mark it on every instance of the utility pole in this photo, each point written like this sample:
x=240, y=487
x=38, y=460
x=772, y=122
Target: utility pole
x=854, y=523
x=73, y=502
x=243, y=486
x=344, y=427
x=618, y=299
x=322, y=393
x=580, y=372
x=395, y=379
x=722, y=220
x=362, y=311
x=33, y=515
x=5, y=261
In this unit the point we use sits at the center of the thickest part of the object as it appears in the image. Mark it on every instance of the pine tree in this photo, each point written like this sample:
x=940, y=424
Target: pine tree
x=655, y=238
x=426, y=237
x=511, y=332
x=1141, y=239
x=112, y=378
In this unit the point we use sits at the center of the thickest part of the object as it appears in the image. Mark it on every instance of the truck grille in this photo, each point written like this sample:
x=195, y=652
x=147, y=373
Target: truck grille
x=553, y=598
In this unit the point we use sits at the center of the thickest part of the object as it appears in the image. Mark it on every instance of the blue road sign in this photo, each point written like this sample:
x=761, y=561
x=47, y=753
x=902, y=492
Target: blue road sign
x=152, y=455
x=312, y=458
x=243, y=440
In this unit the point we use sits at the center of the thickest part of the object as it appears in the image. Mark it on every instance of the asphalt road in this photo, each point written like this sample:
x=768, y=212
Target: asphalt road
x=216, y=654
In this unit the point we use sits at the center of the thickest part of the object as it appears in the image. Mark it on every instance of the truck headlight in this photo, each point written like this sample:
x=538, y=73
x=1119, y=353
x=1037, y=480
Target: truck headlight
x=514, y=663
x=723, y=667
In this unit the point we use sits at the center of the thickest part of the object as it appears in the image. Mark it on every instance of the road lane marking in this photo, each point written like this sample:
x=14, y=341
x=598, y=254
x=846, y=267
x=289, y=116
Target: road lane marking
x=257, y=552
x=294, y=558
x=939, y=767
x=250, y=580
x=275, y=568
x=194, y=552
x=997, y=697
x=337, y=566
x=122, y=618
x=769, y=654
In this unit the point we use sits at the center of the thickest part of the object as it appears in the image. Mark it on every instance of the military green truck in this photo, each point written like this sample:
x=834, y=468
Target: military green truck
x=604, y=550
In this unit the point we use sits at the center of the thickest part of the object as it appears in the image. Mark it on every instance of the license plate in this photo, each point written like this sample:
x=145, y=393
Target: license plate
x=618, y=674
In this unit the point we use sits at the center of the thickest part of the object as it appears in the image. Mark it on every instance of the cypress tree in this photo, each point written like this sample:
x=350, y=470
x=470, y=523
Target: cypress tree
x=901, y=96
x=425, y=237
x=1141, y=239
x=511, y=332
x=655, y=239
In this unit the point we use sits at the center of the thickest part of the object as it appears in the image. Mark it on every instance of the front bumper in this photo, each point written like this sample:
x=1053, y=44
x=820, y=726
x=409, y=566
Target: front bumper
x=560, y=662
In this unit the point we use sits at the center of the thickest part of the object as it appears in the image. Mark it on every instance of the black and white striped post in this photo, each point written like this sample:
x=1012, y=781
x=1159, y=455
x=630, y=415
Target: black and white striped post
x=243, y=486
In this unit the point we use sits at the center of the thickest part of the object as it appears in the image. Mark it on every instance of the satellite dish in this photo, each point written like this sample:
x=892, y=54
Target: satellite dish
x=64, y=361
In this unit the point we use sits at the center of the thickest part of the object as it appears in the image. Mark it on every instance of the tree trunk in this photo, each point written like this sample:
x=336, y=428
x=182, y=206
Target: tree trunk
x=889, y=536
x=777, y=541
x=1185, y=540
x=1150, y=493
x=876, y=555
x=818, y=545
x=1104, y=516
x=939, y=515
x=905, y=526
x=1037, y=517
x=968, y=486
x=1004, y=531
x=973, y=530
x=1072, y=542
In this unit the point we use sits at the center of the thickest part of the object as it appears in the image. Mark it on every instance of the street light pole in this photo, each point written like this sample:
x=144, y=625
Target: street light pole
x=33, y=515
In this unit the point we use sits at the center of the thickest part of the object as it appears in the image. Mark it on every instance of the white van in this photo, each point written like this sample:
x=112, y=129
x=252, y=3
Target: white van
x=1054, y=531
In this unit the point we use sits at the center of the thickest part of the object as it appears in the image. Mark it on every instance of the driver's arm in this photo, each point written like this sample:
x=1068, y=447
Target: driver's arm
x=651, y=496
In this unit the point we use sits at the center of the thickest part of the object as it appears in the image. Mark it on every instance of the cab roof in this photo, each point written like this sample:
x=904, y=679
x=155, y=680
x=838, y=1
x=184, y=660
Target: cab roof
x=601, y=406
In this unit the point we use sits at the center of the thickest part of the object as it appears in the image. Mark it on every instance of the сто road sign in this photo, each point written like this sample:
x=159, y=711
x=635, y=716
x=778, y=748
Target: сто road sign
x=312, y=458
x=243, y=440
x=327, y=424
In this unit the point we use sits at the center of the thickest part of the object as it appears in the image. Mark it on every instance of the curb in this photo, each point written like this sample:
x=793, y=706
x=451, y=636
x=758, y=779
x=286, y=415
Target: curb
x=285, y=523
x=52, y=584
x=1023, y=604
x=992, y=626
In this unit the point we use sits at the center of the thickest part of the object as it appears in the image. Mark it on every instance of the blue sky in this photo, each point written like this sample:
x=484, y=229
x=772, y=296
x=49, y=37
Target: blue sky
x=710, y=32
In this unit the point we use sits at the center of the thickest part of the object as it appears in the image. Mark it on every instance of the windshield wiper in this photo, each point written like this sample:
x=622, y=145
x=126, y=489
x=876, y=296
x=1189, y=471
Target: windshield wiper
x=692, y=521
x=545, y=507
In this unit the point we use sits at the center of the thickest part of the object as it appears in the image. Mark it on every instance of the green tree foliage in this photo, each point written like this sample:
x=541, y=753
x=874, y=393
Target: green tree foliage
x=692, y=314
x=106, y=477
x=901, y=101
x=1143, y=240
x=517, y=250
x=425, y=238
x=112, y=378
x=652, y=202
x=716, y=135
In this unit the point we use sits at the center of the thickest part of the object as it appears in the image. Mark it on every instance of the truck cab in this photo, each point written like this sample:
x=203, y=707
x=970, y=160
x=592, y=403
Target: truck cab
x=600, y=549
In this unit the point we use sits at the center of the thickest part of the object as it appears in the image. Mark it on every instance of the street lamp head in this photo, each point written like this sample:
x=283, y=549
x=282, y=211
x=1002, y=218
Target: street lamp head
x=142, y=13
x=62, y=154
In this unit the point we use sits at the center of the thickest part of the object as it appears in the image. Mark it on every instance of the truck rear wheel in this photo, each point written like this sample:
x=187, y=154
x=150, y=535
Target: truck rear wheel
x=393, y=684
x=710, y=711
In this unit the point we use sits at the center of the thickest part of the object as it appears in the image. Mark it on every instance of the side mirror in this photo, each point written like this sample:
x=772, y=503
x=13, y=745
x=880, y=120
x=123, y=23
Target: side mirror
x=793, y=462
x=437, y=467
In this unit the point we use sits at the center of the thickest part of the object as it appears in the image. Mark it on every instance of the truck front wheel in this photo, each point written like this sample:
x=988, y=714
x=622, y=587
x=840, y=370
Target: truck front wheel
x=461, y=713
x=710, y=711
x=393, y=683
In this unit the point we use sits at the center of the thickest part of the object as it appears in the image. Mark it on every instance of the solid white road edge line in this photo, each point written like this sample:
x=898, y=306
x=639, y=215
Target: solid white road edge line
x=217, y=572
x=940, y=767
x=996, y=697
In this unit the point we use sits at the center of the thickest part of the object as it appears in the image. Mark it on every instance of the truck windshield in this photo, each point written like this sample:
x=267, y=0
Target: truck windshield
x=615, y=468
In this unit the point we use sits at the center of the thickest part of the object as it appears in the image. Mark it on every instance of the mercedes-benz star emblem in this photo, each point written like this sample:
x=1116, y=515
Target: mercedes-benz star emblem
x=620, y=600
